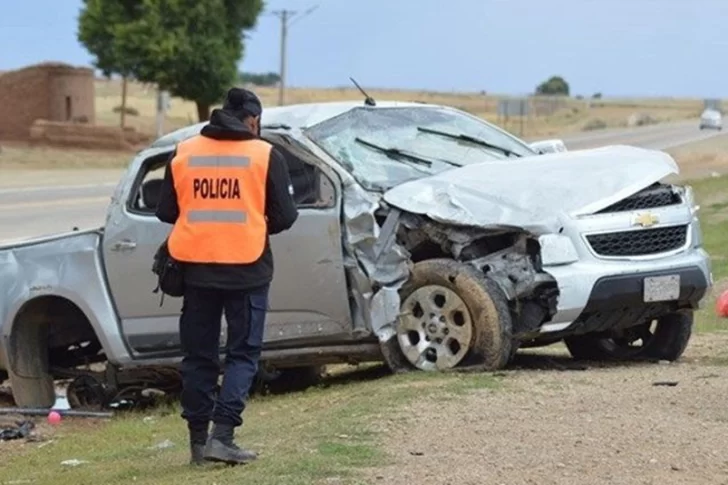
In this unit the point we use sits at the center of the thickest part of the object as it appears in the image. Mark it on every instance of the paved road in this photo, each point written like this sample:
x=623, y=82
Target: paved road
x=660, y=137
x=55, y=202
x=41, y=210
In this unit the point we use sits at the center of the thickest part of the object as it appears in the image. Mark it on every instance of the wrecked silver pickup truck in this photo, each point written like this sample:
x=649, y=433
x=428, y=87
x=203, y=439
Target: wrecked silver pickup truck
x=427, y=238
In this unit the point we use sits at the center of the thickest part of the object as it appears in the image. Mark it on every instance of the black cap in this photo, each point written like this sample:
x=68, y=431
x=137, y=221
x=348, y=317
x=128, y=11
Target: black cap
x=242, y=103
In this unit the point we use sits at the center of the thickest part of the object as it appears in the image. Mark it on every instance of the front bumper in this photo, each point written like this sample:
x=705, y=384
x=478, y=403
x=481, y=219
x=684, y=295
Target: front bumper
x=596, y=296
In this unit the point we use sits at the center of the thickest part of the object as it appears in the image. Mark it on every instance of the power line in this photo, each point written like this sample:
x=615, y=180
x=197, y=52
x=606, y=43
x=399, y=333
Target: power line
x=287, y=18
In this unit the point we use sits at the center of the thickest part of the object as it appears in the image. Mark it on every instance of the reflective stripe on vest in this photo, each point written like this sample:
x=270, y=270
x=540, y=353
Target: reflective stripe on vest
x=220, y=189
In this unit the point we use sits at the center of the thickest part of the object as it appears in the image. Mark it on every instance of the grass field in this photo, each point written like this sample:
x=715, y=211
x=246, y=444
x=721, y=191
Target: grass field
x=573, y=116
x=320, y=436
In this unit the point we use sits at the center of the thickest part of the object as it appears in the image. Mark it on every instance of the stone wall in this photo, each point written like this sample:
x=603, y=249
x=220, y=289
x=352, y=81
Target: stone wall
x=86, y=136
x=49, y=91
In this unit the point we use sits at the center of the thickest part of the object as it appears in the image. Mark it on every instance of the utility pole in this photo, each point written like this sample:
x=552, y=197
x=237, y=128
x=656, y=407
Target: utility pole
x=286, y=17
x=282, y=70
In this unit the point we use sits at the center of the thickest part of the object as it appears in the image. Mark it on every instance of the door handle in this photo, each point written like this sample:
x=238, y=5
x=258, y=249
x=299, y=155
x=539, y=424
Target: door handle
x=123, y=245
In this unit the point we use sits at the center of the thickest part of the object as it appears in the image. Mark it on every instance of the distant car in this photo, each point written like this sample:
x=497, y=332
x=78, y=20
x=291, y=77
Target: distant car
x=711, y=118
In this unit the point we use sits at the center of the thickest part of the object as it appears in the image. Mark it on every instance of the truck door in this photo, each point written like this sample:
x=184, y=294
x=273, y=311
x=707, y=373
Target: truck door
x=308, y=299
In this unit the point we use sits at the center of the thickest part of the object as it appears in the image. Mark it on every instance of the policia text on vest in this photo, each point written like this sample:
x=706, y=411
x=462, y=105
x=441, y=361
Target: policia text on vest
x=212, y=188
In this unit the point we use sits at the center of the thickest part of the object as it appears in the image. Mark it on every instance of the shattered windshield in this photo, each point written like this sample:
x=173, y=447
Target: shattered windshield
x=375, y=144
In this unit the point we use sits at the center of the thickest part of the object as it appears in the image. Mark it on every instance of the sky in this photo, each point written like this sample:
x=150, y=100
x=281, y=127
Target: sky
x=617, y=47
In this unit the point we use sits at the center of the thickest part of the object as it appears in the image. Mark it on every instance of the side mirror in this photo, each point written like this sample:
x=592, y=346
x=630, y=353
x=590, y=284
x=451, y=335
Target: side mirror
x=548, y=146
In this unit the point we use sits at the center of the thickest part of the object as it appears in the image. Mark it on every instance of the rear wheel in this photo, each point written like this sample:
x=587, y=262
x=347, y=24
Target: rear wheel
x=663, y=339
x=451, y=315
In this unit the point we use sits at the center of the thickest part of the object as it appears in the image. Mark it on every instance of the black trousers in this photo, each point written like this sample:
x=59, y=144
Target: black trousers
x=200, y=326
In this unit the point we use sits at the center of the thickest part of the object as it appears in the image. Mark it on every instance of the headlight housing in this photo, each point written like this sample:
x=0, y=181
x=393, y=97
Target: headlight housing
x=557, y=250
x=697, y=233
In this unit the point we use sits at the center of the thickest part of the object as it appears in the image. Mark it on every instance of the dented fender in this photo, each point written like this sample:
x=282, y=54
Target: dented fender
x=67, y=266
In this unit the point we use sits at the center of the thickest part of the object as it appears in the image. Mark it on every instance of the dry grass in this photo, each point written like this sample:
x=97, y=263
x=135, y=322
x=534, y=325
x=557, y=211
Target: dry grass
x=23, y=157
x=571, y=118
x=703, y=158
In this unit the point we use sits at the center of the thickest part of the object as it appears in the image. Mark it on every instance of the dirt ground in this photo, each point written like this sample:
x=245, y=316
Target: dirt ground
x=621, y=425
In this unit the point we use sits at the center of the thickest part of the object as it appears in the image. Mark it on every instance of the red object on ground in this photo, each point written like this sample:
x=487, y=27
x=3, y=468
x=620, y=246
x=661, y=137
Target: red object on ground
x=54, y=418
x=721, y=306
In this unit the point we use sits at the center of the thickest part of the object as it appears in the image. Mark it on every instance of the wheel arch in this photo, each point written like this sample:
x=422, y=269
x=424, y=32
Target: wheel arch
x=41, y=324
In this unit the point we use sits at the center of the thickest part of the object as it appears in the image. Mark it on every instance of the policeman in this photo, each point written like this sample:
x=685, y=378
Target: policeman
x=225, y=190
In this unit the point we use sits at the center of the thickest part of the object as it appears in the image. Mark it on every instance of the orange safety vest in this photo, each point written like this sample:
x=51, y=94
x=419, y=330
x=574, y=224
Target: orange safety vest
x=221, y=188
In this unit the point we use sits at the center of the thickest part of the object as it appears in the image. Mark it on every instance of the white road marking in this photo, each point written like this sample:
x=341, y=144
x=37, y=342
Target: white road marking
x=53, y=203
x=53, y=188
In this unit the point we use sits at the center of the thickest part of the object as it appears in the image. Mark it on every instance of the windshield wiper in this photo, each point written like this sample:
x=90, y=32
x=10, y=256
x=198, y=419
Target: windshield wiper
x=396, y=154
x=275, y=126
x=468, y=138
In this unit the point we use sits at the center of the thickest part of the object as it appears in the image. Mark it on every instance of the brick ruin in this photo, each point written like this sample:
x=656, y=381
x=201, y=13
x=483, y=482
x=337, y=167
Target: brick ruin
x=54, y=103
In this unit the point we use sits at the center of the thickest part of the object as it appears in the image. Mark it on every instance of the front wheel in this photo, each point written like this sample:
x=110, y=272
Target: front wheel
x=663, y=339
x=451, y=315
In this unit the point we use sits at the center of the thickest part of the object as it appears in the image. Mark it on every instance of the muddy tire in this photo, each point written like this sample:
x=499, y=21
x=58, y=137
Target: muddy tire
x=451, y=316
x=37, y=392
x=31, y=383
x=666, y=341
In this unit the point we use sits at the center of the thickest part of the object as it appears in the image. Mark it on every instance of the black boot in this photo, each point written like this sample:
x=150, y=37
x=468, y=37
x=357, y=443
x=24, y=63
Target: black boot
x=198, y=437
x=221, y=448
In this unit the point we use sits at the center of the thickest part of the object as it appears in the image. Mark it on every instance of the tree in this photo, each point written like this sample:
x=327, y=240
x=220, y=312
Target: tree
x=555, y=85
x=190, y=48
x=97, y=26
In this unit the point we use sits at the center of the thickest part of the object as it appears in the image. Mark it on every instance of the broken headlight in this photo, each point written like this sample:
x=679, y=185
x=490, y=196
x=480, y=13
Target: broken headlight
x=557, y=250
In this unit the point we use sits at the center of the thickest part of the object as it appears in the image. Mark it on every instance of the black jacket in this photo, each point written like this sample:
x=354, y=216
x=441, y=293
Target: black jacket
x=280, y=212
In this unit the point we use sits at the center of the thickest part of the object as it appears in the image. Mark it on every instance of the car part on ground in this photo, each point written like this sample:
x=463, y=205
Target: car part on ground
x=278, y=381
x=71, y=413
x=17, y=430
x=135, y=387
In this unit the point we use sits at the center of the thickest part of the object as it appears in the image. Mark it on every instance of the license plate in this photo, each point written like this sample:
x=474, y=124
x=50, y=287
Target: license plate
x=662, y=288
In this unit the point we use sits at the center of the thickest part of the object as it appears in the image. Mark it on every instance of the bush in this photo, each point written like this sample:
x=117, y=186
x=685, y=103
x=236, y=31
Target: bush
x=594, y=124
x=259, y=79
x=640, y=119
x=129, y=110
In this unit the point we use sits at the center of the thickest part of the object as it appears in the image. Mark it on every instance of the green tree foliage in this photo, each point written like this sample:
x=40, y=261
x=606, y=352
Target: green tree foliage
x=97, y=31
x=555, y=85
x=190, y=48
x=260, y=79
x=97, y=26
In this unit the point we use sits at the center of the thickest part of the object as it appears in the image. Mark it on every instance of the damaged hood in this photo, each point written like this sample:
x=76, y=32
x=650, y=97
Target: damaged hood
x=533, y=193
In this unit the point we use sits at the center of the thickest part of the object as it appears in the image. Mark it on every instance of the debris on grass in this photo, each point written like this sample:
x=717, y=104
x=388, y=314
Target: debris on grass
x=163, y=445
x=19, y=430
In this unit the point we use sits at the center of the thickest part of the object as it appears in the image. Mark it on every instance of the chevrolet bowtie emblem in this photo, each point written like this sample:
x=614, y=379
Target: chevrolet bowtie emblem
x=646, y=220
